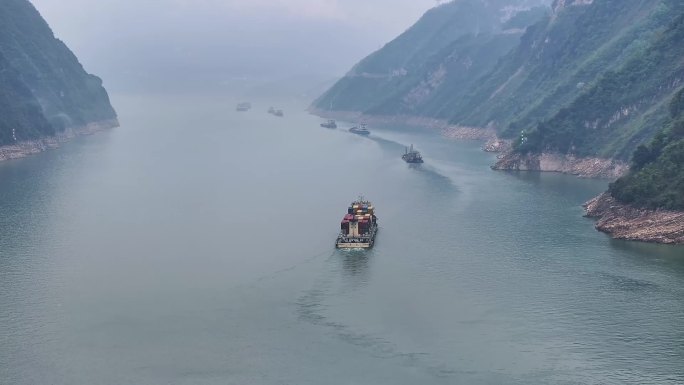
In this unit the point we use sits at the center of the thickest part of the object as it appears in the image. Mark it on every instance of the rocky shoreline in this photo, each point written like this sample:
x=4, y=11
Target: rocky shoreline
x=36, y=146
x=508, y=160
x=626, y=222
x=567, y=164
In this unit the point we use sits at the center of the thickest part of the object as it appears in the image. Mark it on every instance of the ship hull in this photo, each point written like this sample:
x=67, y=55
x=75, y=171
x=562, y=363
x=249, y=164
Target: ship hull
x=366, y=241
x=349, y=246
x=411, y=161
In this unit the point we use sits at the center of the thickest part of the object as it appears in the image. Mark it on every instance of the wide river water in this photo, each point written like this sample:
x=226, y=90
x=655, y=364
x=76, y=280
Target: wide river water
x=194, y=245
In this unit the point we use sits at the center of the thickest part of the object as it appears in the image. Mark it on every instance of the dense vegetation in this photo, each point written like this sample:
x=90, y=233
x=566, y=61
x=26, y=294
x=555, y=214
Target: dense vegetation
x=657, y=176
x=589, y=79
x=625, y=106
x=43, y=87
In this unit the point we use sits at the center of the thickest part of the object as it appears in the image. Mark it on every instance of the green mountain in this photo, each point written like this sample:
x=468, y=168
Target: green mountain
x=617, y=97
x=43, y=88
x=446, y=50
x=656, y=179
x=589, y=78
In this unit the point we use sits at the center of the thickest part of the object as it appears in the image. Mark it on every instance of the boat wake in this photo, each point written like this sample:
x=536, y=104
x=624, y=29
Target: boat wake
x=434, y=168
x=311, y=308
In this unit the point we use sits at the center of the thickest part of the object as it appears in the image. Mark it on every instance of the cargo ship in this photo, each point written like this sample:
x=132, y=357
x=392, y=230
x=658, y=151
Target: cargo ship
x=412, y=156
x=360, y=130
x=359, y=226
x=329, y=124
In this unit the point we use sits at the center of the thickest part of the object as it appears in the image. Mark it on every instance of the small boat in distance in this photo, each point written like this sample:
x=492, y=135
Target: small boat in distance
x=362, y=130
x=329, y=124
x=245, y=106
x=274, y=112
x=359, y=226
x=412, y=156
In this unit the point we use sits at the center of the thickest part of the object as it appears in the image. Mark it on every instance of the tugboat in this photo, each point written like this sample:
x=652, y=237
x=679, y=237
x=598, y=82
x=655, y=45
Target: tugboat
x=360, y=130
x=329, y=124
x=246, y=106
x=412, y=156
x=359, y=227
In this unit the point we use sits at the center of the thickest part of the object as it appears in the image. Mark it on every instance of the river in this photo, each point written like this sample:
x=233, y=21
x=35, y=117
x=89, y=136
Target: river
x=194, y=245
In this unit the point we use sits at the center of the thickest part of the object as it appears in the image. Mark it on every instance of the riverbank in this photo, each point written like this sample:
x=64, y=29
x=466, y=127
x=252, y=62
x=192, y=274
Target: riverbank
x=36, y=146
x=590, y=167
x=449, y=131
x=626, y=222
x=567, y=164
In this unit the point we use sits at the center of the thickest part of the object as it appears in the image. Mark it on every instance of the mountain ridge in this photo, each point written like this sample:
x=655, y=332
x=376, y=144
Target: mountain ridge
x=45, y=94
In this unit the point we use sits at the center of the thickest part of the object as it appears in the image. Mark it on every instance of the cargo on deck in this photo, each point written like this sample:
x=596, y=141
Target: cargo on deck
x=358, y=227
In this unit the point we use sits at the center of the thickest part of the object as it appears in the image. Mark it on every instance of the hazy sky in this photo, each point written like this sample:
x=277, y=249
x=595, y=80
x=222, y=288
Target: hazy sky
x=135, y=39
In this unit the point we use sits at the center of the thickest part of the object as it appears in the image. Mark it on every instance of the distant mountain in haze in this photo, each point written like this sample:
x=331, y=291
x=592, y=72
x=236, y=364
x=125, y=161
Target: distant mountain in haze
x=216, y=45
x=44, y=90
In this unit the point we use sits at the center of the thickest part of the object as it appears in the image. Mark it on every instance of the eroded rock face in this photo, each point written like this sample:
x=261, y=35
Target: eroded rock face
x=623, y=221
x=496, y=144
x=567, y=164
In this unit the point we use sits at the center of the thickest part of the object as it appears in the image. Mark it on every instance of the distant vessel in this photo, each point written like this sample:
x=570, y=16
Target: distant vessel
x=359, y=226
x=360, y=130
x=329, y=124
x=246, y=106
x=278, y=113
x=412, y=156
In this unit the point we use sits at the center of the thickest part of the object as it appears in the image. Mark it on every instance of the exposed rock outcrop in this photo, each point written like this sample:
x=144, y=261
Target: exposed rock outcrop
x=567, y=164
x=497, y=144
x=623, y=221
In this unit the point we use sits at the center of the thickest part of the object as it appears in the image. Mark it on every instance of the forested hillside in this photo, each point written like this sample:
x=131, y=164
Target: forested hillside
x=43, y=87
x=625, y=102
x=589, y=78
x=657, y=176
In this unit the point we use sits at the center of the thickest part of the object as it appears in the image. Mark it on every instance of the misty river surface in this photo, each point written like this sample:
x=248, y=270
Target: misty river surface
x=194, y=245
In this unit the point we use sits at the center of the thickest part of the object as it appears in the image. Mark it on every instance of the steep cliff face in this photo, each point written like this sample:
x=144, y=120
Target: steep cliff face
x=625, y=105
x=445, y=51
x=44, y=90
x=20, y=111
x=570, y=84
